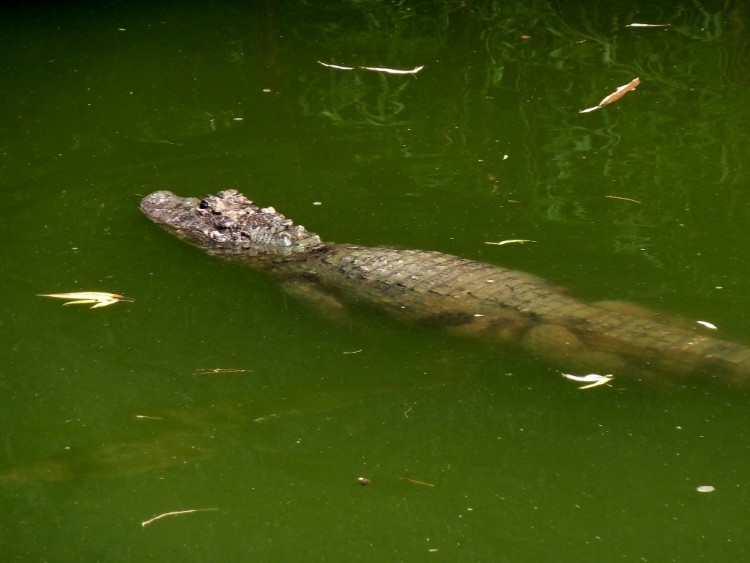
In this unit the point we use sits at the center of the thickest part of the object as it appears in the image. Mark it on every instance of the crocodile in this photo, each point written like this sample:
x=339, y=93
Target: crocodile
x=458, y=295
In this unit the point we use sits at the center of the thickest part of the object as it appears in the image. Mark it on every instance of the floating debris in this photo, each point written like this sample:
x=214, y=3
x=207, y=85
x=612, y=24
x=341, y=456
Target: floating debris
x=99, y=298
x=648, y=25
x=385, y=70
x=414, y=70
x=594, y=378
x=175, y=513
x=614, y=96
x=623, y=198
x=511, y=241
x=417, y=482
x=337, y=67
x=707, y=324
x=705, y=489
x=206, y=371
x=363, y=481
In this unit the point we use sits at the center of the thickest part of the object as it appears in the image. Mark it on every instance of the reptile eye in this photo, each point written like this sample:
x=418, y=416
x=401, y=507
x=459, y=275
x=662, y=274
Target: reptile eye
x=203, y=204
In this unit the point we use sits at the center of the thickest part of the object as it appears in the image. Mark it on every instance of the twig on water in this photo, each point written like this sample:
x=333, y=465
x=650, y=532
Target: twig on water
x=206, y=371
x=416, y=482
x=623, y=198
x=616, y=95
x=174, y=513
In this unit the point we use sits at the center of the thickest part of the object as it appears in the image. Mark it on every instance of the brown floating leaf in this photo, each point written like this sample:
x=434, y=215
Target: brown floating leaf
x=616, y=95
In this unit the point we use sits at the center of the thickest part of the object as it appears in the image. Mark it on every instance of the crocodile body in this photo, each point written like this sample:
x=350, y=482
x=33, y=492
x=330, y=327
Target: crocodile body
x=459, y=295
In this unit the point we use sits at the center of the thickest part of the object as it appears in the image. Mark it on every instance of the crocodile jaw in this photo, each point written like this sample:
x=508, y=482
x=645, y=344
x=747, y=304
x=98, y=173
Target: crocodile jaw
x=228, y=224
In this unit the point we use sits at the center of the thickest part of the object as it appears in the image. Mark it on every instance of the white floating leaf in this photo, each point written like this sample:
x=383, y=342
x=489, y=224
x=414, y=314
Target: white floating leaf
x=594, y=379
x=511, y=241
x=647, y=25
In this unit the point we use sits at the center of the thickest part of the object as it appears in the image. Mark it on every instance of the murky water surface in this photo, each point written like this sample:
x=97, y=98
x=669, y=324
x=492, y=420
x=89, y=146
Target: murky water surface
x=114, y=416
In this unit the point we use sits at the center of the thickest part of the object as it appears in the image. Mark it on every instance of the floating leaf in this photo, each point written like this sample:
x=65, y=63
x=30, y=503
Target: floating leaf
x=616, y=95
x=647, y=25
x=511, y=241
x=100, y=299
x=414, y=70
x=593, y=378
x=386, y=70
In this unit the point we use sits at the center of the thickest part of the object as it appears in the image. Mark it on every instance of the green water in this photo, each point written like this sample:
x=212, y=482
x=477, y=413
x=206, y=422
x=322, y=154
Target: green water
x=472, y=455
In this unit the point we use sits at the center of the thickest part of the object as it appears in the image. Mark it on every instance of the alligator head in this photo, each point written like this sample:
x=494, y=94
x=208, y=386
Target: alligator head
x=228, y=224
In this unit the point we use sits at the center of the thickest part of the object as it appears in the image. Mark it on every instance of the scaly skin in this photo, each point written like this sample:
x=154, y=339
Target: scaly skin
x=455, y=294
